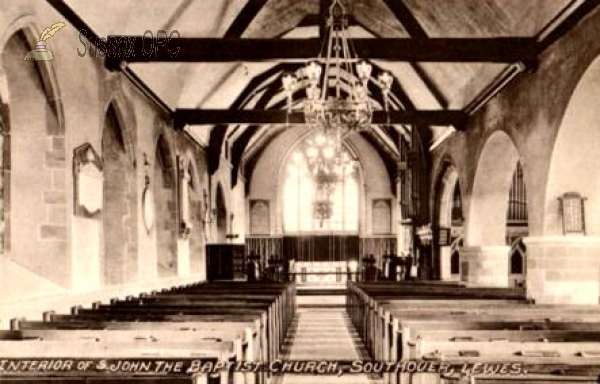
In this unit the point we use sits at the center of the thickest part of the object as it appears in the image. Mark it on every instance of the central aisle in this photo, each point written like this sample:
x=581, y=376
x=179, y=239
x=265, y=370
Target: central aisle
x=323, y=334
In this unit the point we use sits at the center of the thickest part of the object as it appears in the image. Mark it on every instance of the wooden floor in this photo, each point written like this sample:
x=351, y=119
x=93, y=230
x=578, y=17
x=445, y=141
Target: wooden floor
x=323, y=334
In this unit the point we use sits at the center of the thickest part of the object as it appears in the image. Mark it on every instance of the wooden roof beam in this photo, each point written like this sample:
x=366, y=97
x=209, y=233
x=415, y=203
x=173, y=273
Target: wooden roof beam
x=497, y=49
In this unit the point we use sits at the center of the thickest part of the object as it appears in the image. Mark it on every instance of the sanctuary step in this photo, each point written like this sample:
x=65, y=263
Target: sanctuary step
x=323, y=334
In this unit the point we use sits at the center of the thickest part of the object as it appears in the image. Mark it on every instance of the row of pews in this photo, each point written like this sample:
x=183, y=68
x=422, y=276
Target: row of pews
x=474, y=335
x=191, y=334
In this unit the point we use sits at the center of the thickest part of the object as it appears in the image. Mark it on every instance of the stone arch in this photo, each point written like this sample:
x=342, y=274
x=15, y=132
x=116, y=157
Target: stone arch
x=575, y=164
x=165, y=203
x=118, y=261
x=35, y=220
x=195, y=197
x=486, y=222
x=446, y=187
x=484, y=258
x=27, y=30
x=122, y=109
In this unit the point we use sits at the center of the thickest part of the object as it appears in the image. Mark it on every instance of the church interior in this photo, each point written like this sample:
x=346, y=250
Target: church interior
x=294, y=191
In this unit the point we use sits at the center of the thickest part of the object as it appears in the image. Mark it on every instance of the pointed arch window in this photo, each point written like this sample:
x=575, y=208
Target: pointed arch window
x=320, y=188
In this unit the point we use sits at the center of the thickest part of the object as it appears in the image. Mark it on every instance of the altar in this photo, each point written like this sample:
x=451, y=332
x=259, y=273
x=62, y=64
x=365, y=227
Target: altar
x=323, y=273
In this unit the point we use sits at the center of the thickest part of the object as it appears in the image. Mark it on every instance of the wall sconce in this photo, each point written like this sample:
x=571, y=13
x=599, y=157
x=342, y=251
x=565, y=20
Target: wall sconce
x=572, y=210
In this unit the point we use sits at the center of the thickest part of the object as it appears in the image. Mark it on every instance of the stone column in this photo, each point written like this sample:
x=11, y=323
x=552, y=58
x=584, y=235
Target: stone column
x=485, y=266
x=563, y=269
x=183, y=257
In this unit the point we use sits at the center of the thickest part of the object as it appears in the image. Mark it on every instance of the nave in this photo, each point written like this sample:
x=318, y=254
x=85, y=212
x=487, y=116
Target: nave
x=321, y=333
x=167, y=217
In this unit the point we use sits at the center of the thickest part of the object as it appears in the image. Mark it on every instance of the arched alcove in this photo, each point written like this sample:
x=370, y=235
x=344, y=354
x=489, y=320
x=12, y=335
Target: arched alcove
x=575, y=164
x=35, y=218
x=166, y=209
x=118, y=261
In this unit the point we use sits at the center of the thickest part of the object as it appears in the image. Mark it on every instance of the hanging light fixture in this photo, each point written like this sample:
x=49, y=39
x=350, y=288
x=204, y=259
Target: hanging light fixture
x=337, y=104
x=337, y=97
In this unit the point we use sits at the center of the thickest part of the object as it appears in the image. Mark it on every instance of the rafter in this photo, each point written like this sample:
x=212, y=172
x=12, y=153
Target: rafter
x=416, y=31
x=262, y=117
x=323, y=15
x=244, y=18
x=406, y=18
x=497, y=49
x=235, y=30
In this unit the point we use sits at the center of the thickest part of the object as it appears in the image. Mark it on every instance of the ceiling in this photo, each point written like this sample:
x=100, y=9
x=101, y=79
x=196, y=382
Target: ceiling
x=420, y=85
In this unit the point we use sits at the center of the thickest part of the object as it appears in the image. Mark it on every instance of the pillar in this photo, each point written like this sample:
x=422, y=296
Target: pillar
x=183, y=257
x=563, y=269
x=485, y=266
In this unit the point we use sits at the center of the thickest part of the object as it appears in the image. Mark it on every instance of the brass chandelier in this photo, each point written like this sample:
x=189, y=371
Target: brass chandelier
x=337, y=94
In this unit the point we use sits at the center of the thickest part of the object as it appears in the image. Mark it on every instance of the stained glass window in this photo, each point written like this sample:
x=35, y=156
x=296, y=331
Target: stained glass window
x=320, y=189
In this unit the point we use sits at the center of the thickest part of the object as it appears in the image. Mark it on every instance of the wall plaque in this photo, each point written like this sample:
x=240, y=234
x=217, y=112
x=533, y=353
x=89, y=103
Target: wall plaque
x=573, y=213
x=89, y=180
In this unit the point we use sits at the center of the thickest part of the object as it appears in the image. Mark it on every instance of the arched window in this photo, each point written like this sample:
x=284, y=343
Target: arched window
x=320, y=188
x=517, y=254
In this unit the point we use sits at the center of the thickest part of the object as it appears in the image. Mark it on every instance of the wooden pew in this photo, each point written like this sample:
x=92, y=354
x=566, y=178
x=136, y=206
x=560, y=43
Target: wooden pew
x=284, y=302
x=254, y=316
x=392, y=319
x=272, y=328
x=243, y=331
x=213, y=305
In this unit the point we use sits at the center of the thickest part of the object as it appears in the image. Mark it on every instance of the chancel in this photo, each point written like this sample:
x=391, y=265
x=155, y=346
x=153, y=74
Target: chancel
x=267, y=191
